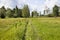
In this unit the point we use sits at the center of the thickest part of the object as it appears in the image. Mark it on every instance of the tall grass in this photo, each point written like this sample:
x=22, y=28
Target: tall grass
x=36, y=29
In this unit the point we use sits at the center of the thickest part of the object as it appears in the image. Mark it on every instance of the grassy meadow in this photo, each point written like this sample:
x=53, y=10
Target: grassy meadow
x=30, y=29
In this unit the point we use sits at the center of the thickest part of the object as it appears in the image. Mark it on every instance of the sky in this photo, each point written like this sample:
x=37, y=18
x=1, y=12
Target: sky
x=38, y=5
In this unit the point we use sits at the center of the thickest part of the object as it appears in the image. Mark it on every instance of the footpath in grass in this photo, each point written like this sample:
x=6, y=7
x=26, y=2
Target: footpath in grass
x=30, y=29
x=21, y=29
x=32, y=33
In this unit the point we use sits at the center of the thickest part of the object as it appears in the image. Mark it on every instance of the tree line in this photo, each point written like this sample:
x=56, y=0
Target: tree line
x=25, y=12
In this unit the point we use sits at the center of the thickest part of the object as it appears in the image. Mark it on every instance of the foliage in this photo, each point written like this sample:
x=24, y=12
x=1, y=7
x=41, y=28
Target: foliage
x=16, y=12
x=25, y=11
x=50, y=15
x=2, y=12
x=56, y=10
x=34, y=13
x=9, y=13
x=19, y=13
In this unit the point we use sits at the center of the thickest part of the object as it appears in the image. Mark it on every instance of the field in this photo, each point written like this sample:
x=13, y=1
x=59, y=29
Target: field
x=30, y=29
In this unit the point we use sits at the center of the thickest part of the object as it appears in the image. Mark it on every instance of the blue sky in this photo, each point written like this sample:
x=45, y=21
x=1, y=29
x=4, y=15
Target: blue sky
x=38, y=5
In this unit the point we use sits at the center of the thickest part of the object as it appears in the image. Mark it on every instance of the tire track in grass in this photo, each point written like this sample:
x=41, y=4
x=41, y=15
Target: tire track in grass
x=20, y=32
x=35, y=35
x=32, y=33
x=25, y=30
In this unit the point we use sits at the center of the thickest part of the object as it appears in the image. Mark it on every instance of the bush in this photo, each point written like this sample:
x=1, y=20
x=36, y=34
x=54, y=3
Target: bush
x=50, y=15
x=2, y=16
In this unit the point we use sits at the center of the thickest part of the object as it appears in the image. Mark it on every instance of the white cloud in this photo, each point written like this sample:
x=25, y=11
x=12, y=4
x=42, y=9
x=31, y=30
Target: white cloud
x=50, y=3
x=33, y=4
x=8, y=3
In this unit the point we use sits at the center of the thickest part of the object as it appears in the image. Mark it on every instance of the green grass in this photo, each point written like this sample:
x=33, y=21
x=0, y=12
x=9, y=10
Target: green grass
x=37, y=29
x=11, y=29
x=48, y=28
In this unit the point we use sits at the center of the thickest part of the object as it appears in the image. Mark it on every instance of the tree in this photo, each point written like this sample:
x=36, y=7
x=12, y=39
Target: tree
x=56, y=10
x=19, y=13
x=2, y=12
x=9, y=13
x=25, y=11
x=44, y=12
x=34, y=13
x=16, y=12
